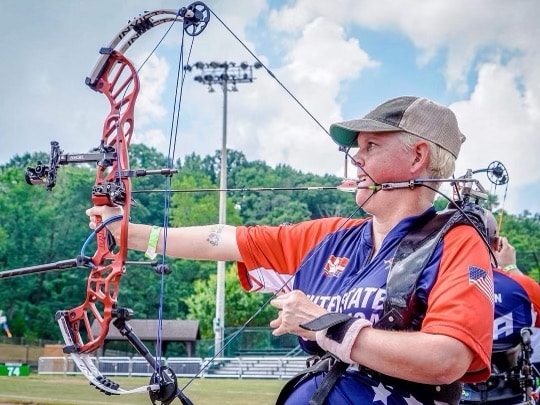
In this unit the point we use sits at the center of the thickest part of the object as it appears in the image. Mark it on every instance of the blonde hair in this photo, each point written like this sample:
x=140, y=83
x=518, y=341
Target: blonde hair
x=441, y=163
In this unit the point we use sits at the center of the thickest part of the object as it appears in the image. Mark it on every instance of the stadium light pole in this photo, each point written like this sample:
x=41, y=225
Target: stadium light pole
x=227, y=75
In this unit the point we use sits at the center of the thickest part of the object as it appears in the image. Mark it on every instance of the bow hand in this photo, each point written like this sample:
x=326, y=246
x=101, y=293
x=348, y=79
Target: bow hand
x=105, y=214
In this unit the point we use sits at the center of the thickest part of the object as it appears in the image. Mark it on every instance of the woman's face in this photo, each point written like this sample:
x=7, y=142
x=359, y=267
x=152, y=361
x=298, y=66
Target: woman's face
x=381, y=158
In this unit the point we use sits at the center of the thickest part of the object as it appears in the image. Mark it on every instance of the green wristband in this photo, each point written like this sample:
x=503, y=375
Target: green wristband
x=510, y=267
x=152, y=243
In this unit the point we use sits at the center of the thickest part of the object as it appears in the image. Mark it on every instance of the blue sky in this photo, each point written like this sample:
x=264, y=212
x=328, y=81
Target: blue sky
x=339, y=58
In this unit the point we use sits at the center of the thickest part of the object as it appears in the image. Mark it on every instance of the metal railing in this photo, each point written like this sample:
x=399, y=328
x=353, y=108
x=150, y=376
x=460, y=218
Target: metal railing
x=270, y=367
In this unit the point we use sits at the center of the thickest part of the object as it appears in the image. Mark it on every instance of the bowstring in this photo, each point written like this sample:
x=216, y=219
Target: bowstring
x=173, y=137
x=170, y=164
x=501, y=210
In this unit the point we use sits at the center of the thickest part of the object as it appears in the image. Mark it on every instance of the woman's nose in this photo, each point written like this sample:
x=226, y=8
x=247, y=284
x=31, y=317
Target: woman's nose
x=357, y=160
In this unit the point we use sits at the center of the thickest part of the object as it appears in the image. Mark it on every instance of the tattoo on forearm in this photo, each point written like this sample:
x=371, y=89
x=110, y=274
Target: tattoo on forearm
x=214, y=236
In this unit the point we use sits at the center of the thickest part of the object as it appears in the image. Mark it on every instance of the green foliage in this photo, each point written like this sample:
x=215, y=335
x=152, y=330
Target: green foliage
x=523, y=232
x=240, y=305
x=440, y=203
x=277, y=207
x=197, y=208
x=149, y=207
x=41, y=228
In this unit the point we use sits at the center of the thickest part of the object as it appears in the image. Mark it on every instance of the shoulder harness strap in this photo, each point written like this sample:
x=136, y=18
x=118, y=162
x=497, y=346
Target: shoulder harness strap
x=401, y=309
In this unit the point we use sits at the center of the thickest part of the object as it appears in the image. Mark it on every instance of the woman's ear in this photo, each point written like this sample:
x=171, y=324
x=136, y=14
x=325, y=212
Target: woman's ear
x=421, y=152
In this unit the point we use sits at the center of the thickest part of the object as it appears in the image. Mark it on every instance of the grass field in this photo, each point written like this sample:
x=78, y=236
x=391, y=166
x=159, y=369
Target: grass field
x=75, y=390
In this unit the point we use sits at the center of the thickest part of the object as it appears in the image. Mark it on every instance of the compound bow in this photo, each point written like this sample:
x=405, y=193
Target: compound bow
x=85, y=327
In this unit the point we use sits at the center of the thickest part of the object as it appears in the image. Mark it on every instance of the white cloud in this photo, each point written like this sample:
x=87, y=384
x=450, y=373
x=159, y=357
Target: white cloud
x=461, y=28
x=488, y=47
x=502, y=123
x=154, y=138
x=153, y=78
x=314, y=67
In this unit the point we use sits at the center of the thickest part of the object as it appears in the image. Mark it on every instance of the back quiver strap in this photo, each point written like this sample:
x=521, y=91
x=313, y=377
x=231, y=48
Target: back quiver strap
x=402, y=311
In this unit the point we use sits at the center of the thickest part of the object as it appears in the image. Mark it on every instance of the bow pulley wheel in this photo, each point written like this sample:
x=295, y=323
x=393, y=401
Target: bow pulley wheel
x=497, y=173
x=196, y=17
x=168, y=386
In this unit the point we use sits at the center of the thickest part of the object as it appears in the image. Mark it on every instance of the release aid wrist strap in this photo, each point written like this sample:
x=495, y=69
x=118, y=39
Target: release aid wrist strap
x=337, y=333
x=152, y=242
x=339, y=339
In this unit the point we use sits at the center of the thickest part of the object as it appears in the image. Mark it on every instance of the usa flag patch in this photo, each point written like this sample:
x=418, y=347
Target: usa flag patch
x=335, y=266
x=482, y=280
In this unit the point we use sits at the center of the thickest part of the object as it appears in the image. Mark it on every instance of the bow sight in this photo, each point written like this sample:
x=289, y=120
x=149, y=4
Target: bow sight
x=45, y=174
x=104, y=193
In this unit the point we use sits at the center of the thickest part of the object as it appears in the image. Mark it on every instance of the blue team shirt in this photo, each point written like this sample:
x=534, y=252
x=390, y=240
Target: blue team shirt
x=330, y=261
x=514, y=310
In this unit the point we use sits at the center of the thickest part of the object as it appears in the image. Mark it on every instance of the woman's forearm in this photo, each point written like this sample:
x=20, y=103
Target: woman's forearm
x=208, y=242
x=413, y=356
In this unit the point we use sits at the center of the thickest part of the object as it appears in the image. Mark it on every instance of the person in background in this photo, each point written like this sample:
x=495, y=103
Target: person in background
x=331, y=274
x=517, y=296
x=506, y=259
x=506, y=256
x=4, y=324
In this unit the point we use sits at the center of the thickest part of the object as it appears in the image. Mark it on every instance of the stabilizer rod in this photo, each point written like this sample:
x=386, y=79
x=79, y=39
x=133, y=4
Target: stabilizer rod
x=79, y=261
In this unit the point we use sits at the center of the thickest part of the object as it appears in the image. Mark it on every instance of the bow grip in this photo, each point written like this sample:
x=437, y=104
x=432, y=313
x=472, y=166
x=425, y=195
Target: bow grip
x=111, y=241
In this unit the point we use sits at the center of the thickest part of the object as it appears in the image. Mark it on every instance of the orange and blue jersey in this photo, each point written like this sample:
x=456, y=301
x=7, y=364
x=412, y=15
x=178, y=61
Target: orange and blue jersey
x=517, y=305
x=535, y=343
x=330, y=260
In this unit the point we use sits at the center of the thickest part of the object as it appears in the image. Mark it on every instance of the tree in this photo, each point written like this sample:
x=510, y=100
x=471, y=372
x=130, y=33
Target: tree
x=149, y=205
x=42, y=228
x=241, y=305
x=198, y=208
x=523, y=232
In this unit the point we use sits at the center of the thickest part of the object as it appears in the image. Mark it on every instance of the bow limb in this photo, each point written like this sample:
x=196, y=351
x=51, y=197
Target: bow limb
x=84, y=328
x=195, y=17
x=120, y=84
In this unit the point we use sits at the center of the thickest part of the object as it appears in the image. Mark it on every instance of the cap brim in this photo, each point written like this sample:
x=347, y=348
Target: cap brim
x=345, y=133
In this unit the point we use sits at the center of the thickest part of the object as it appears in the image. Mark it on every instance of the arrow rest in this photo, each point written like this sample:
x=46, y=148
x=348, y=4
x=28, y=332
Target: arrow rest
x=162, y=269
